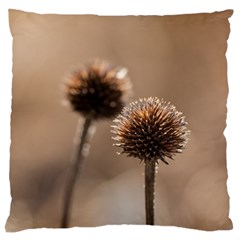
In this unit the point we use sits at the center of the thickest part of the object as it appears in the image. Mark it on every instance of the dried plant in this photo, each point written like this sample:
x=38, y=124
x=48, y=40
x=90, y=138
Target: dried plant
x=151, y=130
x=96, y=91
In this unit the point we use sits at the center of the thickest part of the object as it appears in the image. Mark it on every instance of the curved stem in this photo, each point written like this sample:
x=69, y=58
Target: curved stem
x=82, y=138
x=149, y=191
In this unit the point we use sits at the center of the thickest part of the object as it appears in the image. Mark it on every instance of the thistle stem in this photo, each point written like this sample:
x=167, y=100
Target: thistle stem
x=81, y=140
x=149, y=191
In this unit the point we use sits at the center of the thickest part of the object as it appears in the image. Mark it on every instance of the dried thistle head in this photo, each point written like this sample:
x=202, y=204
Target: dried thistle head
x=98, y=90
x=151, y=130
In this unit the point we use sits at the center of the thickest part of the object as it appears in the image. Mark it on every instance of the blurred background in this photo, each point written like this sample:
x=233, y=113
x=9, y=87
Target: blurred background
x=175, y=58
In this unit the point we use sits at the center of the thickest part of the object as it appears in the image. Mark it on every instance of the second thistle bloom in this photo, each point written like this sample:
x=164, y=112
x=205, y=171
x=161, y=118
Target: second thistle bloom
x=98, y=90
x=151, y=130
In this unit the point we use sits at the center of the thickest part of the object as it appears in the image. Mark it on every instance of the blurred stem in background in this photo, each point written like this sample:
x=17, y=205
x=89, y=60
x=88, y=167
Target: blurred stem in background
x=81, y=147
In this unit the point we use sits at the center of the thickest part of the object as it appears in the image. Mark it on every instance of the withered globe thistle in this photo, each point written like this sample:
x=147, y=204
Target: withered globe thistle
x=98, y=90
x=151, y=130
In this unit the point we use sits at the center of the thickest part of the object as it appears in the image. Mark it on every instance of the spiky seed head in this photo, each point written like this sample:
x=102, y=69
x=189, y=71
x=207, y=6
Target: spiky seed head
x=151, y=130
x=98, y=90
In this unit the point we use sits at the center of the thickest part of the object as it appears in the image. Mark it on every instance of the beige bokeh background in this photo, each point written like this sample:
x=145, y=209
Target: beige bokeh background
x=179, y=58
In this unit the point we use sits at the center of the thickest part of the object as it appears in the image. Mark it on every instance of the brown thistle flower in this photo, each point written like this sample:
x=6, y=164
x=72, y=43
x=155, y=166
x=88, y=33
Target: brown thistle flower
x=98, y=90
x=151, y=130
